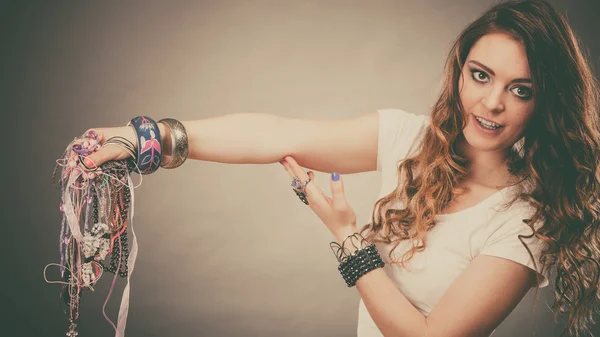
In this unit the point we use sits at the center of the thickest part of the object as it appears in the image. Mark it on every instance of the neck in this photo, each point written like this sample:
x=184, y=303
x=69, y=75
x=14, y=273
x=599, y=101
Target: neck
x=486, y=168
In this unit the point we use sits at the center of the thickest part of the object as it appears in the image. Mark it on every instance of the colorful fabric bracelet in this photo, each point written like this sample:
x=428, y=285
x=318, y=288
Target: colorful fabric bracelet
x=149, y=152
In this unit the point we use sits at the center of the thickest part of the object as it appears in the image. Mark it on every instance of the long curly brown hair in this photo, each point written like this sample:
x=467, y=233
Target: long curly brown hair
x=557, y=157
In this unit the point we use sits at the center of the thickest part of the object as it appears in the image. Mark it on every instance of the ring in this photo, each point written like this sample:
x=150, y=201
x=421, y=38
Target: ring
x=299, y=189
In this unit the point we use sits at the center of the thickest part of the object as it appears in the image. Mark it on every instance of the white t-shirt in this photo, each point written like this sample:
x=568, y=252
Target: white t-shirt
x=455, y=239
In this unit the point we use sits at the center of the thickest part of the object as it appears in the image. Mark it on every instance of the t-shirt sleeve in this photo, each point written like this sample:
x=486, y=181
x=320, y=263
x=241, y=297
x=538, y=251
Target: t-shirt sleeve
x=505, y=243
x=398, y=132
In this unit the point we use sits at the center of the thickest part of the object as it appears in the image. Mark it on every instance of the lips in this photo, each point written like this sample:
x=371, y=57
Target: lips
x=489, y=120
x=483, y=130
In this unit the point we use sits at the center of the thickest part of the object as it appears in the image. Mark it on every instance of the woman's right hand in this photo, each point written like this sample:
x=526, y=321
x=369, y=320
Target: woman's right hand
x=110, y=152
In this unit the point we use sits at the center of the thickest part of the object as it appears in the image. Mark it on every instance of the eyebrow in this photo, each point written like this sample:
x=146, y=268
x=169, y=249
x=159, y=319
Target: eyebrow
x=486, y=68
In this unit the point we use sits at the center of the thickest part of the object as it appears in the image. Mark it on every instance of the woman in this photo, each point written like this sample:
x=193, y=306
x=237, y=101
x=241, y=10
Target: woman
x=479, y=200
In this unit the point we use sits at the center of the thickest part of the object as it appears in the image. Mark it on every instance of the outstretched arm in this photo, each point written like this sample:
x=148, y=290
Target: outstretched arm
x=345, y=146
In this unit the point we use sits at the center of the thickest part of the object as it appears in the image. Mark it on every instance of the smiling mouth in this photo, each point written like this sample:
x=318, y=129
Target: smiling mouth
x=488, y=125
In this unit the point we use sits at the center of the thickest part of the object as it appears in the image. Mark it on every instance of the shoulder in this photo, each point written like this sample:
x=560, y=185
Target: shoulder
x=513, y=215
x=395, y=115
x=399, y=133
x=511, y=237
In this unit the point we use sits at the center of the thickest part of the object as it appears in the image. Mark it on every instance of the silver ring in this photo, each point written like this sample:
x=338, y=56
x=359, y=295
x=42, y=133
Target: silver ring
x=297, y=184
x=299, y=188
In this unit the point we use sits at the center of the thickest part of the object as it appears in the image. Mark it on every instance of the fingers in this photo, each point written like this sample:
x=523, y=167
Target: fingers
x=102, y=156
x=100, y=132
x=95, y=159
x=337, y=190
x=107, y=152
x=287, y=168
x=294, y=170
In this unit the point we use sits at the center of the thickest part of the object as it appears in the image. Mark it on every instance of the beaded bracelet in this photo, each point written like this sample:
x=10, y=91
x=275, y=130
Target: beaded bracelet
x=149, y=152
x=356, y=264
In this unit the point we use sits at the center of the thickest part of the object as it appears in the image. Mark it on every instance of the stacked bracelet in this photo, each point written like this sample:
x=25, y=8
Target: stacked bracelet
x=179, y=144
x=356, y=264
x=123, y=143
x=149, y=152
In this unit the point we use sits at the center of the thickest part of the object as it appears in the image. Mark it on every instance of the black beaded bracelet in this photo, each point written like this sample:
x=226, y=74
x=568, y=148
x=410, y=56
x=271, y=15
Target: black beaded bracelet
x=358, y=264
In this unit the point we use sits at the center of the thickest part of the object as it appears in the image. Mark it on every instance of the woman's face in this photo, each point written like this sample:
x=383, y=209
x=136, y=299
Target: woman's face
x=496, y=93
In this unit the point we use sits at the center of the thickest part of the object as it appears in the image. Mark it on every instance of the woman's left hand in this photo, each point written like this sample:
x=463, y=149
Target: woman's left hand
x=335, y=212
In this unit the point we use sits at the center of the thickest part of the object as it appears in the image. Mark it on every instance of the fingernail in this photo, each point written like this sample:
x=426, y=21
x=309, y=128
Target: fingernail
x=335, y=176
x=89, y=163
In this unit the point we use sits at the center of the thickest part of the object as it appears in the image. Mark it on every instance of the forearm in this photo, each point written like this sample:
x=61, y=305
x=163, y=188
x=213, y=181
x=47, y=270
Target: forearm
x=240, y=138
x=391, y=311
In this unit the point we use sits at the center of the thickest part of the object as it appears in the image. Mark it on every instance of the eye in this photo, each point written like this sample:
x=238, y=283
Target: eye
x=522, y=92
x=479, y=76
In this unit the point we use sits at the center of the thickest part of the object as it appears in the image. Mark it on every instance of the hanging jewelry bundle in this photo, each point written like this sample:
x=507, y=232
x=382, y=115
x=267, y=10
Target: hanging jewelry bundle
x=96, y=214
x=97, y=208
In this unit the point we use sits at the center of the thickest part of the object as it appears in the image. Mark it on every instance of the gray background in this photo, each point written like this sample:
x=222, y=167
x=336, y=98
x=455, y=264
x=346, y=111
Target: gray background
x=225, y=250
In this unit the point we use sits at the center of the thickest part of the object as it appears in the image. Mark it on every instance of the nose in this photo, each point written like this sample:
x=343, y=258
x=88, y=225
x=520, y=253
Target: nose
x=493, y=99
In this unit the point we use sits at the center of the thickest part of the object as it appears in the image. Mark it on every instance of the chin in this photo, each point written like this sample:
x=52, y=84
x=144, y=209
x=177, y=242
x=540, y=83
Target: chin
x=480, y=144
x=481, y=140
